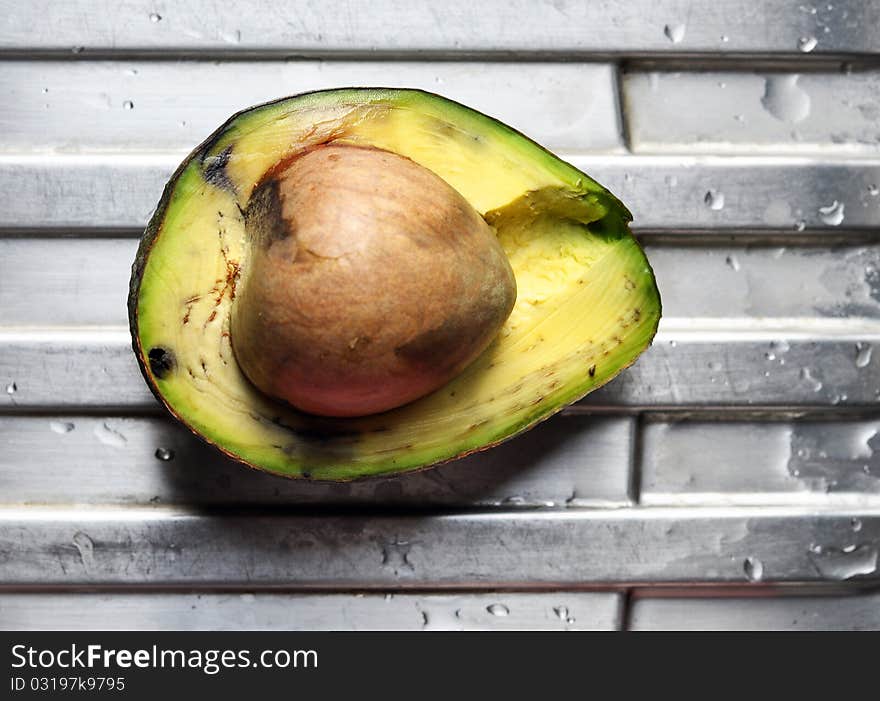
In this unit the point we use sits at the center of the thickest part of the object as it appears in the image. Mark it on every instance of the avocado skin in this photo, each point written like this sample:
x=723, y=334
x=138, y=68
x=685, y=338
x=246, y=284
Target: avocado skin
x=213, y=168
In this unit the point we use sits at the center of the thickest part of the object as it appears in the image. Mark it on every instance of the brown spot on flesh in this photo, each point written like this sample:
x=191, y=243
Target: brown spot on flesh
x=162, y=361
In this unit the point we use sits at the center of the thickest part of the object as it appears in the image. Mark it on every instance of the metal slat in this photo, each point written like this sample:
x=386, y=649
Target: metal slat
x=675, y=26
x=49, y=282
x=784, y=193
x=770, y=112
x=574, y=461
x=854, y=612
x=70, y=107
x=515, y=550
x=279, y=611
x=761, y=463
x=71, y=371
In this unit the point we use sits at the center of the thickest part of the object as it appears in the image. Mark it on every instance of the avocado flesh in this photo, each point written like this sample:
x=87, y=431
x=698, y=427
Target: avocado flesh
x=587, y=301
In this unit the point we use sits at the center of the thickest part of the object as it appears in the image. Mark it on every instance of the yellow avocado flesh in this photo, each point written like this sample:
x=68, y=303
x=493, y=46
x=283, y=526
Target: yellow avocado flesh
x=587, y=303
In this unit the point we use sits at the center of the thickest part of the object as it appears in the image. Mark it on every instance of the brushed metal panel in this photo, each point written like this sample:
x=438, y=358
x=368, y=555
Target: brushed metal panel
x=66, y=370
x=569, y=460
x=771, y=112
x=152, y=106
x=516, y=550
x=62, y=281
x=87, y=190
x=780, y=193
x=802, y=370
x=761, y=463
x=405, y=25
x=281, y=611
x=854, y=612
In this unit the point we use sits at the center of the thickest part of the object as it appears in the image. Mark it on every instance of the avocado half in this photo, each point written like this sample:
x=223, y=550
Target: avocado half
x=587, y=302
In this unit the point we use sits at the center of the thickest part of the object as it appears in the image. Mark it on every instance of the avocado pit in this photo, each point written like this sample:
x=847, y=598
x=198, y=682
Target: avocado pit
x=369, y=282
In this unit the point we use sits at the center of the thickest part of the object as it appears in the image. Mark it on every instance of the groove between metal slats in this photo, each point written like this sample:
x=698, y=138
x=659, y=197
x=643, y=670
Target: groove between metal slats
x=678, y=26
x=514, y=550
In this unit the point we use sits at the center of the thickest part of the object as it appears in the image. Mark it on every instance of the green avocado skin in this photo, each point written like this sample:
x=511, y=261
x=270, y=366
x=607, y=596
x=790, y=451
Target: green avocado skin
x=342, y=450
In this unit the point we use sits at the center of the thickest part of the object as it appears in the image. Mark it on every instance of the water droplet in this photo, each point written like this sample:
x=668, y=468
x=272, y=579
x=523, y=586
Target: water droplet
x=770, y=355
x=807, y=44
x=784, y=99
x=78, y=49
x=714, y=366
x=128, y=105
x=863, y=354
x=849, y=548
x=739, y=118
x=673, y=344
x=671, y=180
x=754, y=569
x=164, y=454
x=800, y=225
x=498, y=609
x=45, y=91
x=807, y=376
x=155, y=17
x=855, y=524
x=11, y=388
x=832, y=215
x=61, y=426
x=714, y=200
x=109, y=436
x=733, y=262
x=780, y=346
x=722, y=84
x=248, y=598
x=389, y=597
x=725, y=38
x=86, y=549
x=562, y=614
x=674, y=32
x=845, y=563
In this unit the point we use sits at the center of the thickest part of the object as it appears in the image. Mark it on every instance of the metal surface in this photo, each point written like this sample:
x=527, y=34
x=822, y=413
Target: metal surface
x=491, y=26
x=737, y=483
x=499, y=549
x=761, y=613
x=577, y=460
x=273, y=611
x=124, y=105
